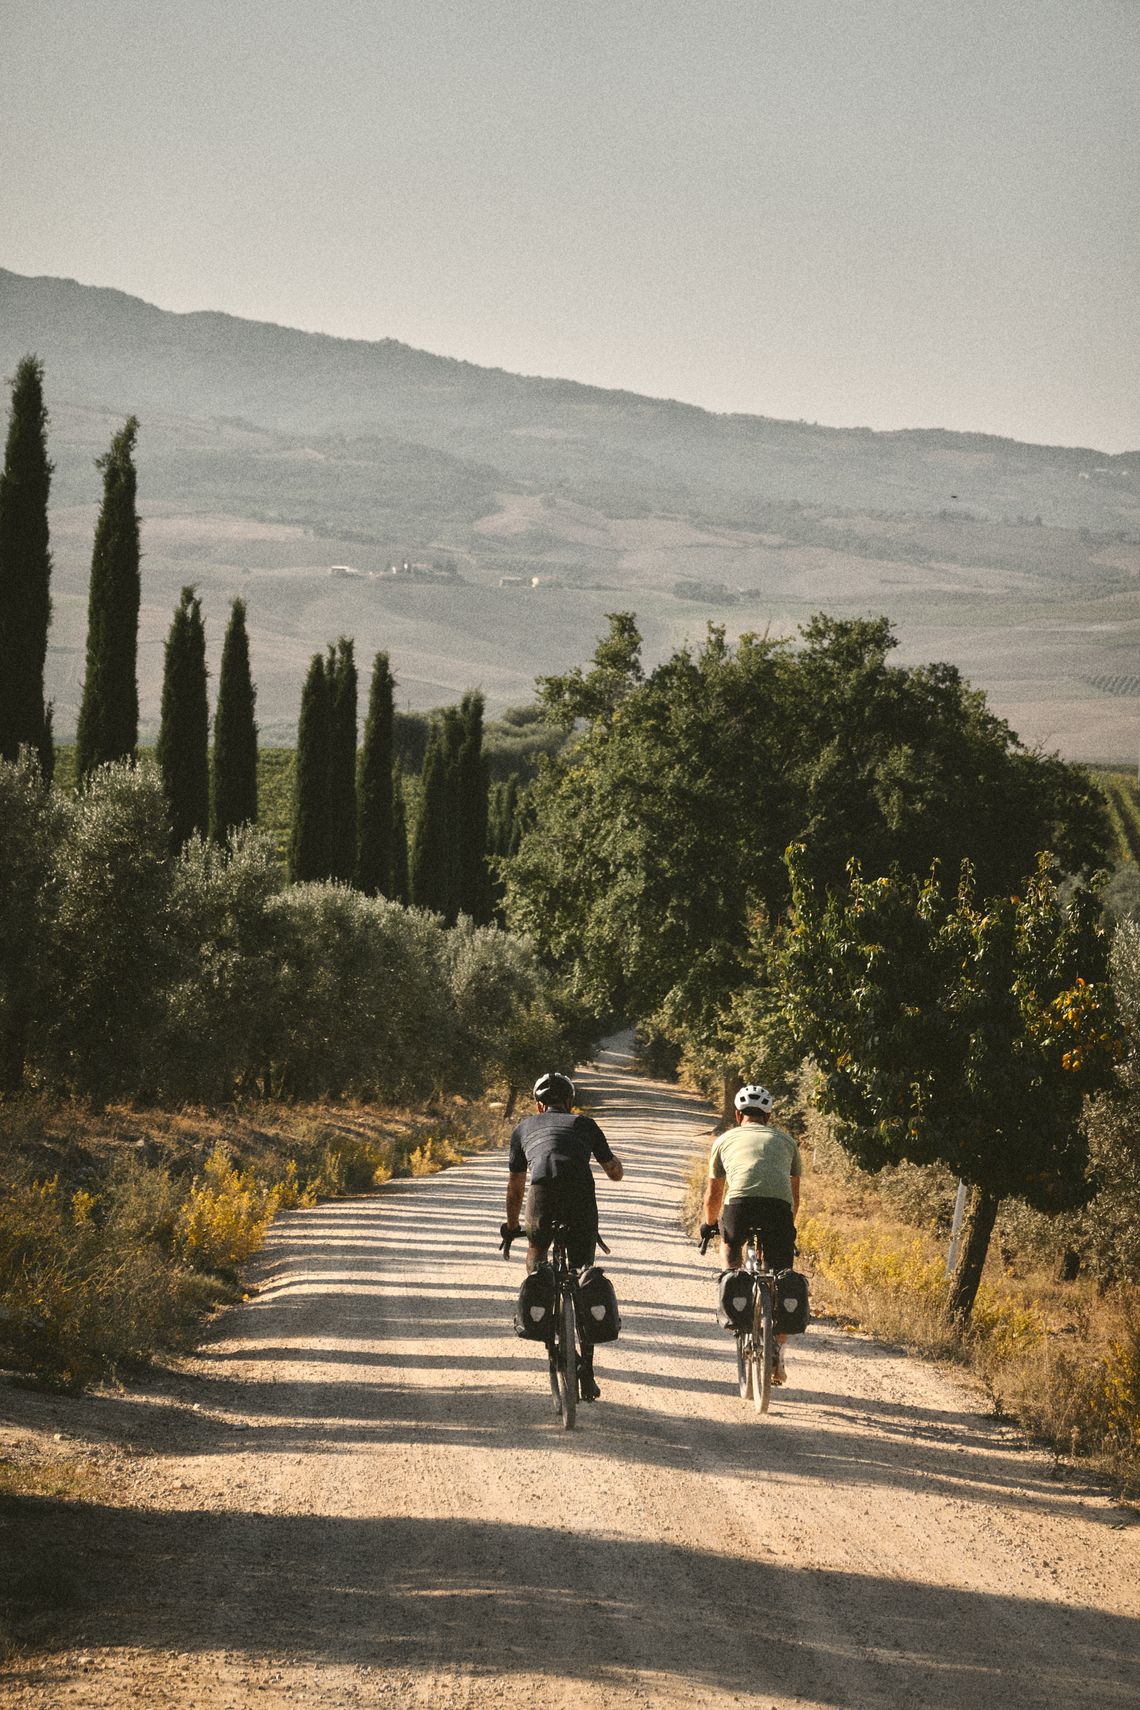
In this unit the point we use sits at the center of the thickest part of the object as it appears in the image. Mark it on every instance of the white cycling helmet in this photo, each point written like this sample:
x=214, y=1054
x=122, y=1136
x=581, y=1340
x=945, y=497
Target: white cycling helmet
x=755, y=1098
x=554, y=1089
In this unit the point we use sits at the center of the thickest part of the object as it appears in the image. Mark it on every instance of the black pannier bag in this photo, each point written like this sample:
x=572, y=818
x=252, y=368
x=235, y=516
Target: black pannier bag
x=735, y=1300
x=534, y=1314
x=791, y=1308
x=598, y=1316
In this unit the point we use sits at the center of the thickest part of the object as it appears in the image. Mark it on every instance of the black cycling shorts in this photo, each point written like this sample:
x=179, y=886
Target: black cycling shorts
x=773, y=1222
x=556, y=1201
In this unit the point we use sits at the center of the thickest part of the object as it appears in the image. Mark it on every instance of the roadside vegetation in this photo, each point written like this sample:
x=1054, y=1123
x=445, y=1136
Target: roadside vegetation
x=138, y=979
x=1054, y=1335
x=120, y=1229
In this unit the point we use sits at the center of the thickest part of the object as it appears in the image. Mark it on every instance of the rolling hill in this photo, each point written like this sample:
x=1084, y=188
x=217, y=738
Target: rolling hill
x=534, y=506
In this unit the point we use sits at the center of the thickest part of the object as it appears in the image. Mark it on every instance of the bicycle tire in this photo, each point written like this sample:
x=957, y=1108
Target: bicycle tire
x=764, y=1342
x=567, y=1363
x=743, y=1365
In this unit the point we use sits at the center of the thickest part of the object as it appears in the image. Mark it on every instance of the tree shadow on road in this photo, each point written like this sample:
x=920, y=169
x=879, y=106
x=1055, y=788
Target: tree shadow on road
x=501, y=1599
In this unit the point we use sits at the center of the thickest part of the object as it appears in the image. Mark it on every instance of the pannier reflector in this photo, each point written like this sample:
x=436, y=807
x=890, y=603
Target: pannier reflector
x=598, y=1312
x=537, y=1312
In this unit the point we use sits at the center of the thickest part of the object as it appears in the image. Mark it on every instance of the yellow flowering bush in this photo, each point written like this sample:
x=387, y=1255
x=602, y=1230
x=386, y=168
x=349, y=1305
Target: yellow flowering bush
x=225, y=1215
x=436, y=1153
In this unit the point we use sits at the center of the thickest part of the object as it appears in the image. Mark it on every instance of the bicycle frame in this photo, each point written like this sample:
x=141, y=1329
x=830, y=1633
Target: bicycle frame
x=756, y=1346
x=563, y=1350
x=563, y=1347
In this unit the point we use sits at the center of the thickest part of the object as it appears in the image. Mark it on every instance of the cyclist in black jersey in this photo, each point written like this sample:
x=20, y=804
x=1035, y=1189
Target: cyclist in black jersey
x=554, y=1147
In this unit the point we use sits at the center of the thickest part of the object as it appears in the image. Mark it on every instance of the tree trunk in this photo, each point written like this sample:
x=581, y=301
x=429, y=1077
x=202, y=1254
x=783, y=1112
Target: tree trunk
x=13, y=1040
x=980, y=1217
x=509, y=1108
x=730, y=1086
x=1068, y=1266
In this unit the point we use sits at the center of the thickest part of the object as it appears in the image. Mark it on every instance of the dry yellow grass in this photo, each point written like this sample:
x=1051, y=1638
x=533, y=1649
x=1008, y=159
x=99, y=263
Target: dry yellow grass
x=1061, y=1358
x=118, y=1230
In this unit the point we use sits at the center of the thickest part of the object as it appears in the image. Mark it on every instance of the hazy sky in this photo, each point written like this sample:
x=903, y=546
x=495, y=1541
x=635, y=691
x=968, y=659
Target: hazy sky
x=889, y=212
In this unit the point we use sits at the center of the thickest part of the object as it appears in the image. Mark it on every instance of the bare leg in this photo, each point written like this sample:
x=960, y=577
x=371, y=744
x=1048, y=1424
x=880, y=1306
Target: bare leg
x=535, y=1256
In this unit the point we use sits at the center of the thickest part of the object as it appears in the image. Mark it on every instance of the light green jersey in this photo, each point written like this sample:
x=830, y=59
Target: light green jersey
x=757, y=1162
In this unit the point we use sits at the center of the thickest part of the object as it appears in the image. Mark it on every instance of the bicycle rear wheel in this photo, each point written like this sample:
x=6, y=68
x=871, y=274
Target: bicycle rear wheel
x=743, y=1365
x=567, y=1363
x=764, y=1343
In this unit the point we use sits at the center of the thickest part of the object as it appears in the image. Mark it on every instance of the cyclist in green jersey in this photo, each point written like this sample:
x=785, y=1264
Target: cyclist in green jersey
x=754, y=1184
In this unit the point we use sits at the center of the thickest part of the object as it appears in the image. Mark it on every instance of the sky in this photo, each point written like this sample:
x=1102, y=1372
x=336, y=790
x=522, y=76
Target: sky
x=883, y=213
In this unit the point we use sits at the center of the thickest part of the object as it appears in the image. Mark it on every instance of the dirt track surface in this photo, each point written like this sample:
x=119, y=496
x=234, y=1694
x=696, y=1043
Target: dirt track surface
x=374, y=1503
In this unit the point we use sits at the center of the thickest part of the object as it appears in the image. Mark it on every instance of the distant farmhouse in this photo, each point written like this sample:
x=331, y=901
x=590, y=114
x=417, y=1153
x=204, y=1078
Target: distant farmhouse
x=406, y=571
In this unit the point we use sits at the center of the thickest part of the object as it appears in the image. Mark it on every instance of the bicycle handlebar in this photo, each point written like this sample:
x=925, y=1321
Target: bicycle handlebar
x=507, y=1235
x=708, y=1230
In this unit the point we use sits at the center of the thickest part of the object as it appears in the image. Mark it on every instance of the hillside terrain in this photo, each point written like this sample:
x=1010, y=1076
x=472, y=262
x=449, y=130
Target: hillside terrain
x=528, y=508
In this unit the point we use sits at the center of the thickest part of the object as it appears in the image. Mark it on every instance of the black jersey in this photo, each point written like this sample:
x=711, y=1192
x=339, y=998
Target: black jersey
x=557, y=1145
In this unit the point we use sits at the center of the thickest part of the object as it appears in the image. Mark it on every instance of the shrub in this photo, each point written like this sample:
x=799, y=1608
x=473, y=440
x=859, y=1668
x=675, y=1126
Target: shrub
x=436, y=1153
x=31, y=823
x=220, y=1018
x=223, y=1220
x=110, y=960
x=80, y=1292
x=349, y=1163
x=363, y=999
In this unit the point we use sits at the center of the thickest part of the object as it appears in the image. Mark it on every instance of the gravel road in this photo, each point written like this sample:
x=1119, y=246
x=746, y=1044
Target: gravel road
x=361, y=1495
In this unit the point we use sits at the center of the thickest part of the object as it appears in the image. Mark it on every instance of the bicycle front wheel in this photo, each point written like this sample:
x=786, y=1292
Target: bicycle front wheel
x=764, y=1341
x=744, y=1365
x=567, y=1363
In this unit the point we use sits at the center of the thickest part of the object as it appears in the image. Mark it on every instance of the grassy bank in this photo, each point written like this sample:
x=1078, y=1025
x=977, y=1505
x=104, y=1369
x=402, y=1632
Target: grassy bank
x=1062, y=1358
x=119, y=1232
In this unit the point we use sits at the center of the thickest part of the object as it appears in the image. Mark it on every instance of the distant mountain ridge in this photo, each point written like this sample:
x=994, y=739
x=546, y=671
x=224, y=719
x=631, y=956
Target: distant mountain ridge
x=104, y=347
x=268, y=454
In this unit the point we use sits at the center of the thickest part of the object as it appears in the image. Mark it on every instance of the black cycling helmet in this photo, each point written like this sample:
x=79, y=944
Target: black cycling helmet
x=754, y=1098
x=554, y=1089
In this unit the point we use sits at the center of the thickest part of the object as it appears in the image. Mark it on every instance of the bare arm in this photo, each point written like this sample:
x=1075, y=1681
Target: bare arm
x=516, y=1187
x=613, y=1169
x=714, y=1198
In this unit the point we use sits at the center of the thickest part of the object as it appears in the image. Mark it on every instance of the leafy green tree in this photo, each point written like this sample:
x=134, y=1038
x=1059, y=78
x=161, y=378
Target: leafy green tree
x=25, y=570
x=653, y=851
x=309, y=851
x=965, y=1033
x=340, y=670
x=32, y=821
x=110, y=954
x=234, y=800
x=221, y=1024
x=183, y=744
x=109, y=710
x=375, y=827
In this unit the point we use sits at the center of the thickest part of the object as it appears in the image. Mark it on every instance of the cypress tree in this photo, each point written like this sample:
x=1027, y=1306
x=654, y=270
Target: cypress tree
x=341, y=672
x=309, y=844
x=109, y=712
x=25, y=570
x=235, y=735
x=472, y=785
x=399, y=887
x=430, y=877
x=184, y=731
x=452, y=828
x=375, y=799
